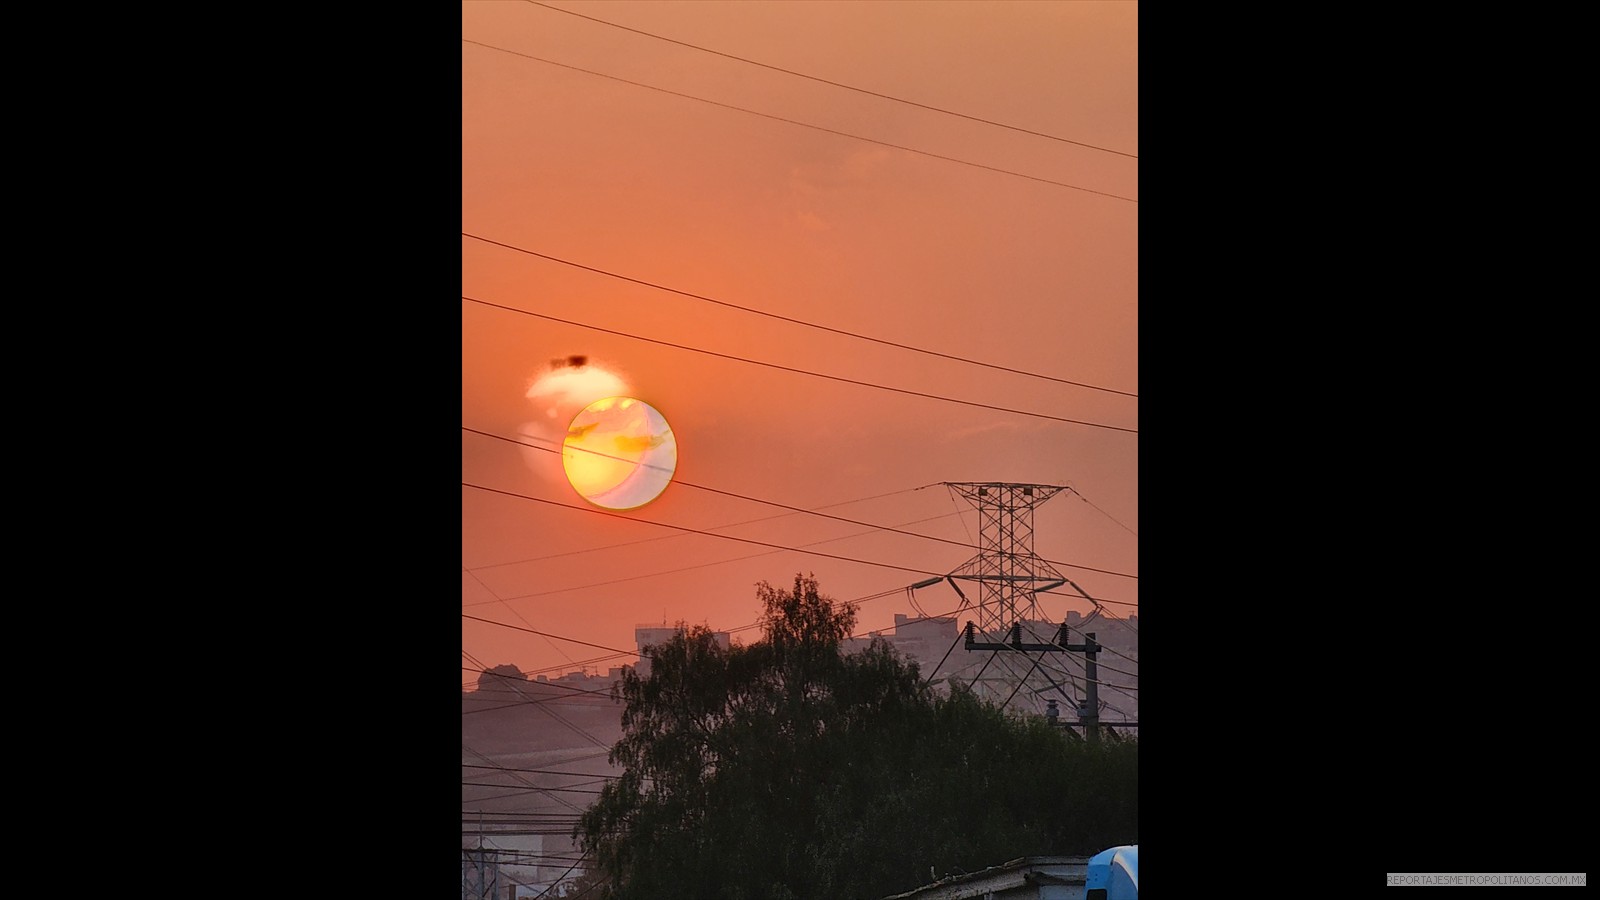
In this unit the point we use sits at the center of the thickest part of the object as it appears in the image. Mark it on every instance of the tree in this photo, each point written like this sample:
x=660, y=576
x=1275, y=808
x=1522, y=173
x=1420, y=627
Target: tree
x=501, y=678
x=790, y=769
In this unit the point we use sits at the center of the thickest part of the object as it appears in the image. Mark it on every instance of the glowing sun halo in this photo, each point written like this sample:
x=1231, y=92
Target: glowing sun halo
x=619, y=453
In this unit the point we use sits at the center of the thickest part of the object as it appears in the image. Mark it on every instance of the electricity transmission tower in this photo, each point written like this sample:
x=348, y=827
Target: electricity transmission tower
x=1008, y=575
x=1007, y=570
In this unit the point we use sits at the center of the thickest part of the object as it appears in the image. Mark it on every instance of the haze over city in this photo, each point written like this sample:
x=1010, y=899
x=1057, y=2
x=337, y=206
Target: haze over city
x=850, y=252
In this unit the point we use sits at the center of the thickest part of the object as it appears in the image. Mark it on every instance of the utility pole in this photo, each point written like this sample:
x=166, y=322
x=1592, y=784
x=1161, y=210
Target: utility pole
x=1089, y=712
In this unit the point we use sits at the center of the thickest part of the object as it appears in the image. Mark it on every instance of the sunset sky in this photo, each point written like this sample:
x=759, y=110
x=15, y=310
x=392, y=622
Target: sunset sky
x=640, y=193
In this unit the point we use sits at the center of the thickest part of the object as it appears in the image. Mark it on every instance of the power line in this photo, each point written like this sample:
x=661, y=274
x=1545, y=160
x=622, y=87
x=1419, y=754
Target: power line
x=1036, y=664
x=561, y=876
x=580, y=663
x=1021, y=681
x=539, y=772
x=847, y=87
x=1102, y=646
x=668, y=537
x=512, y=857
x=726, y=537
x=1007, y=649
x=621, y=654
x=803, y=124
x=770, y=315
x=1103, y=512
x=554, y=684
x=617, y=653
x=624, y=654
x=542, y=633
x=756, y=362
x=528, y=790
x=859, y=600
x=1056, y=593
x=531, y=702
x=511, y=814
x=793, y=509
x=562, y=800
x=513, y=609
x=517, y=705
x=992, y=655
x=575, y=729
x=935, y=671
x=719, y=562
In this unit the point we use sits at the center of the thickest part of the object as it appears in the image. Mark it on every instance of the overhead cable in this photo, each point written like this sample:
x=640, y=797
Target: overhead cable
x=770, y=315
x=803, y=124
x=837, y=84
x=756, y=362
x=794, y=509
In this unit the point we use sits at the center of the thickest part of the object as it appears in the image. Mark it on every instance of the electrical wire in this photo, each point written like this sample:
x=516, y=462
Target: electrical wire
x=562, y=876
x=992, y=655
x=793, y=509
x=763, y=115
x=466, y=685
x=929, y=679
x=590, y=775
x=707, y=565
x=620, y=654
x=1103, y=512
x=546, y=634
x=1021, y=681
x=531, y=702
x=668, y=537
x=837, y=84
x=518, y=689
x=726, y=537
x=757, y=362
x=562, y=800
x=666, y=525
x=554, y=684
x=661, y=287
x=1055, y=593
x=528, y=790
x=873, y=632
x=1103, y=665
x=514, y=611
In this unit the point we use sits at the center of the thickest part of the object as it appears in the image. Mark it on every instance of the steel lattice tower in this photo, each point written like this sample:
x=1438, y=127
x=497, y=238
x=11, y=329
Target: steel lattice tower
x=1006, y=568
x=1008, y=574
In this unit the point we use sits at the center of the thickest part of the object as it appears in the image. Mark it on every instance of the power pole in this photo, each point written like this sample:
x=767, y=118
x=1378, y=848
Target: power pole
x=1089, y=712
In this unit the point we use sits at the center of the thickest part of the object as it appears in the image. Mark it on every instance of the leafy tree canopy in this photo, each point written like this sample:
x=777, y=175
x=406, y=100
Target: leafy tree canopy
x=501, y=678
x=790, y=769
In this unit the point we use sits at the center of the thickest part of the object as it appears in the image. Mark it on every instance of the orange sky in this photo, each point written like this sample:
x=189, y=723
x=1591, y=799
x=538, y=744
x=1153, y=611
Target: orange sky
x=816, y=226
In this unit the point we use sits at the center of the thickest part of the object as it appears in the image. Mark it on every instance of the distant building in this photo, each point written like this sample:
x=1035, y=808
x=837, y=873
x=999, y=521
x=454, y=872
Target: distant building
x=650, y=635
x=583, y=680
x=923, y=640
x=935, y=644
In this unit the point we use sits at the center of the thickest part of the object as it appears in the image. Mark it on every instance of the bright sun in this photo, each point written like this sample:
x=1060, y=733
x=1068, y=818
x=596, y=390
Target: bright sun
x=619, y=453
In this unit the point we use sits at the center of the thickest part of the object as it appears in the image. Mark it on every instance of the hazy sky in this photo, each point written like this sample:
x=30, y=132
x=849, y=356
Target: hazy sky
x=825, y=225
